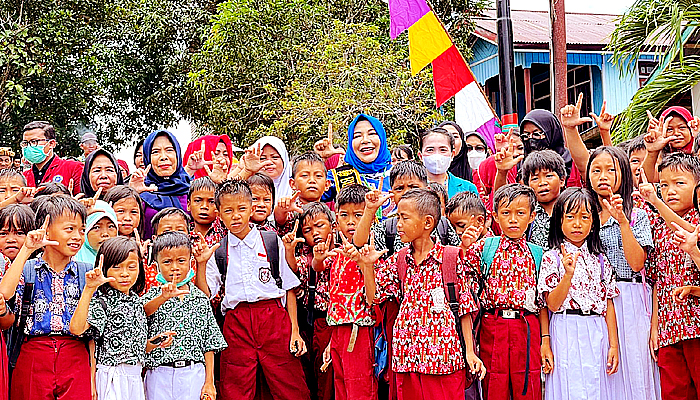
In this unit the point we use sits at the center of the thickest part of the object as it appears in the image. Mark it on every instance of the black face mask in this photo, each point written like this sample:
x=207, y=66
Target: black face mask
x=535, y=145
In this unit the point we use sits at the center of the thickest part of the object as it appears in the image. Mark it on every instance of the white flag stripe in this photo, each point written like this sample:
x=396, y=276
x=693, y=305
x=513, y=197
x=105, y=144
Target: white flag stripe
x=471, y=108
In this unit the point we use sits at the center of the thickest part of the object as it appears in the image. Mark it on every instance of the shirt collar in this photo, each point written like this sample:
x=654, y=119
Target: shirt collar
x=46, y=166
x=249, y=240
x=508, y=242
x=571, y=248
x=433, y=253
x=71, y=267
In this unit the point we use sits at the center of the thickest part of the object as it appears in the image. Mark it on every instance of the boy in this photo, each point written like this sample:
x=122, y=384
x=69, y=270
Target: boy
x=257, y=283
x=185, y=369
x=170, y=219
x=200, y=205
x=466, y=209
x=675, y=331
x=349, y=311
x=263, y=189
x=544, y=172
x=414, y=276
x=52, y=363
x=308, y=181
x=507, y=268
x=403, y=176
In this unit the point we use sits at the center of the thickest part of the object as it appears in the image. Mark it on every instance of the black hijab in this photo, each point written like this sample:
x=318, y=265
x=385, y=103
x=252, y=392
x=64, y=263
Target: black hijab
x=460, y=163
x=554, y=136
x=85, y=185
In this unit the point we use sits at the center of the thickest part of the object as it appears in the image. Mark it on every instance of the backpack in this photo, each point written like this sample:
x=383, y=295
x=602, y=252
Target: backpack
x=390, y=229
x=15, y=335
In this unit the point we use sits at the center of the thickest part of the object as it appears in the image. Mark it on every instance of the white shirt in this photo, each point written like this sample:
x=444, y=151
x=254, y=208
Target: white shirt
x=249, y=274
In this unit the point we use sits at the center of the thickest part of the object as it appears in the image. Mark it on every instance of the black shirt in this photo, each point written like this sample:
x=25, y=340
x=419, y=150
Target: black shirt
x=39, y=175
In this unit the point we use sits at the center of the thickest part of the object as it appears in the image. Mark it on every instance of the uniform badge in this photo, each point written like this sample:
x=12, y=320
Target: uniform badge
x=265, y=274
x=439, y=302
x=58, y=179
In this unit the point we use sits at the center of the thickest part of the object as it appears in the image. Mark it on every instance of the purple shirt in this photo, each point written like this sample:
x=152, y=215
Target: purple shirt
x=149, y=212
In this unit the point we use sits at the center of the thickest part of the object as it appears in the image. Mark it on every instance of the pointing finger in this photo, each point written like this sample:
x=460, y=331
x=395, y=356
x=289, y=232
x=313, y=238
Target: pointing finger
x=602, y=110
x=579, y=101
x=330, y=133
x=46, y=223
x=100, y=263
x=381, y=183
x=97, y=193
x=296, y=227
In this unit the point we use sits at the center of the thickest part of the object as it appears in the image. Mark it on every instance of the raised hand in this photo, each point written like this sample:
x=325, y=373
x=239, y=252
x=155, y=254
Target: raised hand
x=95, y=278
x=506, y=159
x=657, y=137
x=89, y=202
x=369, y=255
x=25, y=195
x=291, y=240
x=252, y=162
x=571, y=115
x=138, y=180
x=325, y=148
x=375, y=198
x=604, y=121
x=38, y=238
x=687, y=241
x=219, y=169
x=171, y=290
x=647, y=190
x=201, y=251
x=325, y=249
x=694, y=126
x=615, y=207
x=196, y=160
x=569, y=260
x=470, y=236
x=289, y=204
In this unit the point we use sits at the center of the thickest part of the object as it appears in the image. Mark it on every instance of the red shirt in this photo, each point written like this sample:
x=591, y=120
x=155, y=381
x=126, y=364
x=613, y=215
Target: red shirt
x=347, y=301
x=59, y=171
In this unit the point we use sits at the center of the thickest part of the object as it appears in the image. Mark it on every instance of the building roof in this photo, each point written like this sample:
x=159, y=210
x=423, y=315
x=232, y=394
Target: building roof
x=533, y=28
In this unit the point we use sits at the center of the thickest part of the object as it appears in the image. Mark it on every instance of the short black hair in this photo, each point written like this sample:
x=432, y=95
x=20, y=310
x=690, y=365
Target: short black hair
x=311, y=210
x=508, y=193
x=232, y=187
x=408, y=169
x=427, y=202
x=10, y=174
x=121, y=192
x=466, y=203
x=680, y=161
x=170, y=240
x=548, y=160
x=55, y=206
x=439, y=190
x=115, y=250
x=635, y=144
x=262, y=180
x=568, y=201
x=155, y=221
x=203, y=183
x=50, y=188
x=438, y=131
x=351, y=194
x=403, y=148
x=17, y=218
x=49, y=130
x=308, y=157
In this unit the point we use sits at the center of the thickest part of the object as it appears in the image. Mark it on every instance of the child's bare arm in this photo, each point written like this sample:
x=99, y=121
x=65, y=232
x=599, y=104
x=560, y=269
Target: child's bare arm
x=168, y=291
x=654, y=334
x=680, y=294
x=570, y=121
x=93, y=280
x=202, y=253
x=613, y=354
x=296, y=344
x=6, y=317
x=93, y=369
x=373, y=201
x=546, y=355
x=635, y=254
x=474, y=363
x=209, y=389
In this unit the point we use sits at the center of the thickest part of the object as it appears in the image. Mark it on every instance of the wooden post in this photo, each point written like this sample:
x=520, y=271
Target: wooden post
x=557, y=56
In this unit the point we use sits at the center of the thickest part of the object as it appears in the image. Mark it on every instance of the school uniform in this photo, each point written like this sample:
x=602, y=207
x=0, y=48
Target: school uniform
x=427, y=353
x=177, y=372
x=352, y=342
x=638, y=375
x=679, y=323
x=579, y=333
x=52, y=363
x=312, y=318
x=256, y=324
x=121, y=330
x=511, y=309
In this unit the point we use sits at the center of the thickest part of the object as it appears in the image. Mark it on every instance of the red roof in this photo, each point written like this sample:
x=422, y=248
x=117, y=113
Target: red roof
x=534, y=27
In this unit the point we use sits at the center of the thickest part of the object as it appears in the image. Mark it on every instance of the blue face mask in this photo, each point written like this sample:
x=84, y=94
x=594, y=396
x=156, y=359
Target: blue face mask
x=161, y=279
x=34, y=154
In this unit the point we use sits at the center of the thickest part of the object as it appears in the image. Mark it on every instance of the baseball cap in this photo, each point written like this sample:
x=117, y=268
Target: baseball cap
x=88, y=136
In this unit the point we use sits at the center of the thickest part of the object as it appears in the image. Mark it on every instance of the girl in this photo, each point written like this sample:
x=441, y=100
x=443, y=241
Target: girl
x=578, y=284
x=437, y=152
x=118, y=319
x=101, y=170
x=15, y=221
x=127, y=205
x=99, y=226
x=280, y=170
x=625, y=233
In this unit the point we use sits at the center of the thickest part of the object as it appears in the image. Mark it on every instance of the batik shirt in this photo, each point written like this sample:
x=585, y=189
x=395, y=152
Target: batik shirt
x=425, y=335
x=346, y=292
x=120, y=328
x=56, y=296
x=670, y=268
x=215, y=233
x=539, y=229
x=305, y=268
x=192, y=319
x=512, y=280
x=592, y=284
x=379, y=230
x=611, y=236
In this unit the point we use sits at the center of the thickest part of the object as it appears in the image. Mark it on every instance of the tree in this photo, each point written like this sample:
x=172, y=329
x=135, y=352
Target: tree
x=646, y=25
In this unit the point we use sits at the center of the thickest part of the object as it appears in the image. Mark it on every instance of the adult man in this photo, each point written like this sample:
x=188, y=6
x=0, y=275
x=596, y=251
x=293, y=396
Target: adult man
x=6, y=155
x=38, y=142
x=89, y=144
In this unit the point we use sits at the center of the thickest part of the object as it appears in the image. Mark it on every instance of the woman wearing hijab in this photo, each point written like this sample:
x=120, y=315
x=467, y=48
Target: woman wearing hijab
x=161, y=151
x=101, y=170
x=367, y=159
x=280, y=169
x=214, y=146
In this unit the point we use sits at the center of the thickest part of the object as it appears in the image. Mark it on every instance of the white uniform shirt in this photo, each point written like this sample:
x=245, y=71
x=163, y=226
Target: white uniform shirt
x=249, y=274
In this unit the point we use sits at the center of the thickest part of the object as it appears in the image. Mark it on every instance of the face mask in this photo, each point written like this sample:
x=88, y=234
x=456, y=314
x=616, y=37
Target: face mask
x=475, y=158
x=34, y=154
x=437, y=164
x=161, y=279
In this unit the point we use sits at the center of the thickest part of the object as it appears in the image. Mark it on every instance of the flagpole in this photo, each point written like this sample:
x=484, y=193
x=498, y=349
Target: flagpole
x=506, y=64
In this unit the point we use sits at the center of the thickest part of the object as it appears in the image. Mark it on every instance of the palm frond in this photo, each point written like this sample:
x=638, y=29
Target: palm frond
x=677, y=78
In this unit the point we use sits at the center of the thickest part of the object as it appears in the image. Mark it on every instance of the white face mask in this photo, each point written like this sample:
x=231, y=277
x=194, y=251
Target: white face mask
x=475, y=158
x=437, y=164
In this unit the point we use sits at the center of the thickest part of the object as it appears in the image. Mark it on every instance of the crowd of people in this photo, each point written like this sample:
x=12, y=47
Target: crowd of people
x=535, y=269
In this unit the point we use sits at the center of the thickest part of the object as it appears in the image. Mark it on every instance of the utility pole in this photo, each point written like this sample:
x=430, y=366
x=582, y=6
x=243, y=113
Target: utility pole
x=506, y=66
x=557, y=56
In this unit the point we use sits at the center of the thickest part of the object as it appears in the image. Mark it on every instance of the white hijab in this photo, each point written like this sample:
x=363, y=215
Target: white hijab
x=282, y=188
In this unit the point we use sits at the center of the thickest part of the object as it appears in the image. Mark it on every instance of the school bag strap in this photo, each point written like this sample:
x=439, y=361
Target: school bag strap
x=390, y=228
x=271, y=249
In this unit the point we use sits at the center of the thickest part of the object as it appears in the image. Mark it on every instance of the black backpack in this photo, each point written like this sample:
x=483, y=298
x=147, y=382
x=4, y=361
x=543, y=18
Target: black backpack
x=390, y=232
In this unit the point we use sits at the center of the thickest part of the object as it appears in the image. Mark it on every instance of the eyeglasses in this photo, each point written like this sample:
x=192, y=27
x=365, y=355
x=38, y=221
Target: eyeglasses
x=33, y=142
x=537, y=135
x=477, y=148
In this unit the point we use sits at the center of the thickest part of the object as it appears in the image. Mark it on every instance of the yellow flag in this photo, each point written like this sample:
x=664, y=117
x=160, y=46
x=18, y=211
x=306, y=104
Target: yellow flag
x=427, y=39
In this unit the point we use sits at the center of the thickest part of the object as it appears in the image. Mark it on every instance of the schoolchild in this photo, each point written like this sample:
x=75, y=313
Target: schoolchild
x=127, y=204
x=200, y=205
x=263, y=189
x=466, y=209
x=308, y=182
